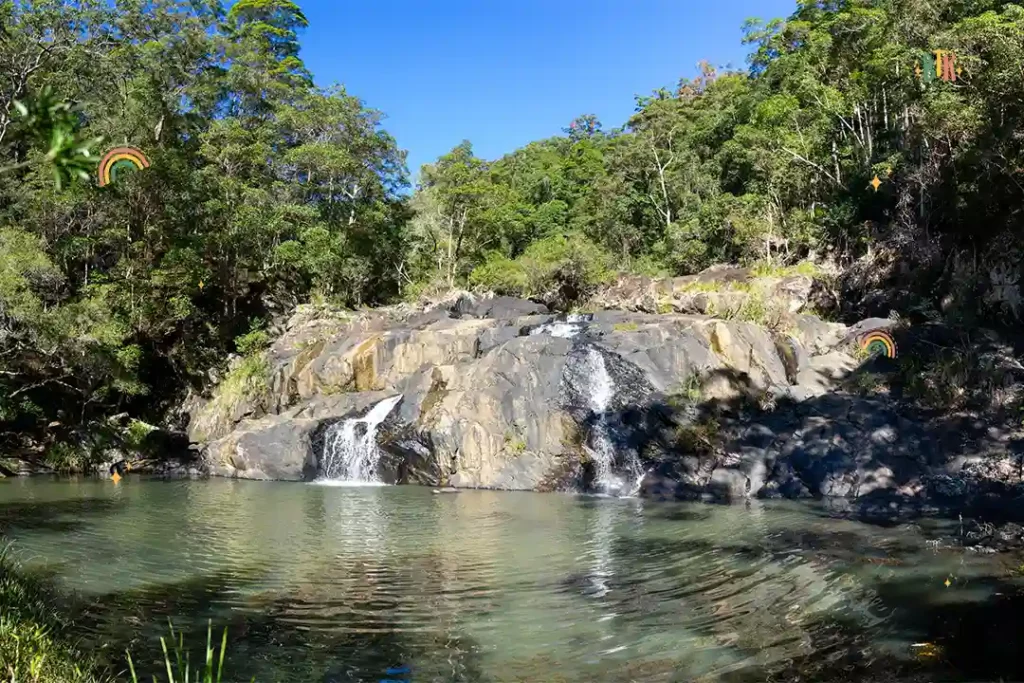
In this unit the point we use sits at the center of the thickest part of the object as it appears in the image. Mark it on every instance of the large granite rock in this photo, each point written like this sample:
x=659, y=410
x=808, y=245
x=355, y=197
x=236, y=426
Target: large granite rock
x=497, y=393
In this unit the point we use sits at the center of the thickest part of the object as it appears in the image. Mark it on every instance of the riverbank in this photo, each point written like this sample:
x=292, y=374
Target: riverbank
x=39, y=643
x=36, y=641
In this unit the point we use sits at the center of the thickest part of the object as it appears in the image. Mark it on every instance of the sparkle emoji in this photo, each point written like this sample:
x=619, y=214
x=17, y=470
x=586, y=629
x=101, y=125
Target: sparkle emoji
x=947, y=582
x=876, y=183
x=115, y=477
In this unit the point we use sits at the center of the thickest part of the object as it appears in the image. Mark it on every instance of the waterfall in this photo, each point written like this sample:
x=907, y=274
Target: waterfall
x=568, y=328
x=596, y=381
x=600, y=448
x=350, y=452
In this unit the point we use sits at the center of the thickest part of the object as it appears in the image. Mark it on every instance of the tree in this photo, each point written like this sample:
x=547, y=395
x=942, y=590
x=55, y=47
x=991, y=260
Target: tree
x=114, y=300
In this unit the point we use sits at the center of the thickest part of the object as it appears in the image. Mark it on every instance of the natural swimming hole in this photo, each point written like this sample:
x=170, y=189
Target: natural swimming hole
x=320, y=583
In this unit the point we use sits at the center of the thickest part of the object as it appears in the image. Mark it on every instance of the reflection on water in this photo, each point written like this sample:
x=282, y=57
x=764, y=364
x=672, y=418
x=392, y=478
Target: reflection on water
x=322, y=583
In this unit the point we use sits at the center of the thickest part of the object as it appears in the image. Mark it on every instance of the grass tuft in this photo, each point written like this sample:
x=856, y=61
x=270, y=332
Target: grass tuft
x=37, y=643
x=180, y=670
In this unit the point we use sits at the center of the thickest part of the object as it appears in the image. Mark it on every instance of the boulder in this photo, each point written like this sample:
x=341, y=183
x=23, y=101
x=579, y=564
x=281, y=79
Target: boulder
x=497, y=393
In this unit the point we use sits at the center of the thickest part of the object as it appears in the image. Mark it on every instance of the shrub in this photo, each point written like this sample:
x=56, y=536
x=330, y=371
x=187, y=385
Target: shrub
x=514, y=444
x=253, y=341
x=502, y=275
x=698, y=437
x=66, y=458
x=570, y=264
x=689, y=392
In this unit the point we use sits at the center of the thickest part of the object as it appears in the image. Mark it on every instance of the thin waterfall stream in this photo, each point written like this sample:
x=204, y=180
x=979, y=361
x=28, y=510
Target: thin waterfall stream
x=616, y=472
x=350, y=451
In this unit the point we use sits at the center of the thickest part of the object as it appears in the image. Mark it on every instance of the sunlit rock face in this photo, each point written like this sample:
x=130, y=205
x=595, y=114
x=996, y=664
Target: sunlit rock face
x=495, y=393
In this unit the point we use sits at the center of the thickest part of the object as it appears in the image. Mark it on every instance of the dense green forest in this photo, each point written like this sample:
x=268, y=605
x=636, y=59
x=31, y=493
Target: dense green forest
x=266, y=190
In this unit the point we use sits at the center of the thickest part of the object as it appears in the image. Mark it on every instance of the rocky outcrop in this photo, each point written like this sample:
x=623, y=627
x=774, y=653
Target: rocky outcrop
x=719, y=290
x=496, y=393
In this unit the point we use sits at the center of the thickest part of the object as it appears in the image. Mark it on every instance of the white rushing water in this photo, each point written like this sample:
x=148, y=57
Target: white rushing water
x=600, y=447
x=601, y=391
x=350, y=454
x=570, y=327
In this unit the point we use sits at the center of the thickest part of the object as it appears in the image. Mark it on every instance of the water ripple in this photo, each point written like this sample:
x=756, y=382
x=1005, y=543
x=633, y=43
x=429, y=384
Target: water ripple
x=479, y=586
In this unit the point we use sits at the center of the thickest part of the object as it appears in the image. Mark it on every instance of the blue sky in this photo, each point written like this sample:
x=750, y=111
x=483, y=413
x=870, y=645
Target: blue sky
x=501, y=73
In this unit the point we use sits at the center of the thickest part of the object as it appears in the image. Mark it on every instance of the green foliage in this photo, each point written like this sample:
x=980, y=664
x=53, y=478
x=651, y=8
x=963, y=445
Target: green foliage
x=34, y=642
x=753, y=305
x=502, y=275
x=867, y=383
x=514, y=444
x=135, y=434
x=53, y=125
x=263, y=190
x=766, y=269
x=626, y=327
x=950, y=378
x=65, y=457
x=254, y=341
x=689, y=392
x=570, y=264
x=247, y=382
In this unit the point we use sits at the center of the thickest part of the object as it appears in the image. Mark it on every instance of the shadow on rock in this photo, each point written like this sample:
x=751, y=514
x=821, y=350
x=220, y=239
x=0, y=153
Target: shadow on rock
x=888, y=460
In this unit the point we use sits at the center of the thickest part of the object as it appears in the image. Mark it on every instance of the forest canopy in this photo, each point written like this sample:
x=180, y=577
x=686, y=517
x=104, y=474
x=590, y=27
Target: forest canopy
x=266, y=190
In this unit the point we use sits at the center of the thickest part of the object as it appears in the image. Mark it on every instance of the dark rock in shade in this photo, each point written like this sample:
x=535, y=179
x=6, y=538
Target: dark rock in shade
x=506, y=307
x=500, y=307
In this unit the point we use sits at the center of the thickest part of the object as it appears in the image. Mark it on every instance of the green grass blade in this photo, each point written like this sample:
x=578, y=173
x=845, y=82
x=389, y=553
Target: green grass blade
x=177, y=653
x=209, y=650
x=223, y=649
x=131, y=666
x=167, y=660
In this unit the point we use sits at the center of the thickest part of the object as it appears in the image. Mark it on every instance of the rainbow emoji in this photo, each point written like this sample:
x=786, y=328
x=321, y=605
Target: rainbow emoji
x=878, y=342
x=118, y=159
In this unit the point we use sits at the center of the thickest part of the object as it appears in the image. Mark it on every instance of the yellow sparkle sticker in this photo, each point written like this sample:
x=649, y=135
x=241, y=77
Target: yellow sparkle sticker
x=948, y=582
x=115, y=477
x=875, y=183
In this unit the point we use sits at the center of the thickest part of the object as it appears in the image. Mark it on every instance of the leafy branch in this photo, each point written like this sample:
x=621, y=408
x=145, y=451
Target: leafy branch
x=52, y=124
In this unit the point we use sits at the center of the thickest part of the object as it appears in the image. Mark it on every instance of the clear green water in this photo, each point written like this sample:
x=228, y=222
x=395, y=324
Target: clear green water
x=320, y=584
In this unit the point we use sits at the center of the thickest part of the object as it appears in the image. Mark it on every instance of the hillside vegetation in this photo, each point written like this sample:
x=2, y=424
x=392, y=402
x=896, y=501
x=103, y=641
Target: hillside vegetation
x=266, y=190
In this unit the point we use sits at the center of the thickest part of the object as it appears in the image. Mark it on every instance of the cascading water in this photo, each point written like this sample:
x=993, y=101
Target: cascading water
x=599, y=388
x=350, y=452
x=600, y=447
x=570, y=327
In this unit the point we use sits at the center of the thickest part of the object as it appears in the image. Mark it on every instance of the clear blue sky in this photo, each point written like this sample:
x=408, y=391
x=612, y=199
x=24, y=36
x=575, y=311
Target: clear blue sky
x=501, y=73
